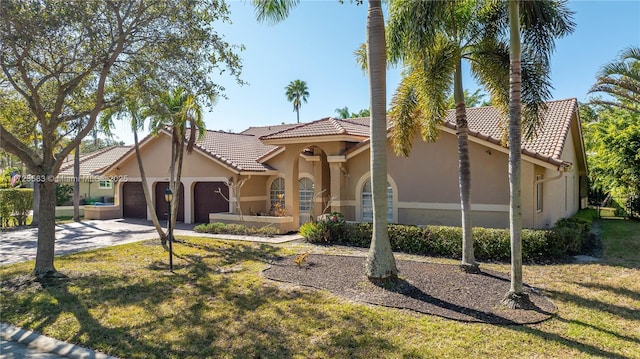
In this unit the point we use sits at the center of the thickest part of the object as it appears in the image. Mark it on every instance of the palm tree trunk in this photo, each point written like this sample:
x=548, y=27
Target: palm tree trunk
x=145, y=188
x=464, y=172
x=76, y=184
x=298, y=115
x=381, y=264
x=176, y=185
x=515, y=298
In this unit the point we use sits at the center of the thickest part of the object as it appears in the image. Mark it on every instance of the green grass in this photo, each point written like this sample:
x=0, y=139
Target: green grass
x=123, y=301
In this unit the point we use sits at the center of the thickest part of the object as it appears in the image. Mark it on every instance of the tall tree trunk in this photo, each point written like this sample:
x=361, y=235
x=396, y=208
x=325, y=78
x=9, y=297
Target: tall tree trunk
x=36, y=205
x=298, y=115
x=515, y=298
x=145, y=189
x=380, y=261
x=176, y=193
x=46, y=228
x=172, y=170
x=464, y=172
x=76, y=184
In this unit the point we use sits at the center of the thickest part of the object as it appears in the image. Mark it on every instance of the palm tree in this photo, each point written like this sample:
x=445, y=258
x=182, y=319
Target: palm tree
x=296, y=93
x=180, y=111
x=432, y=38
x=132, y=110
x=343, y=112
x=515, y=298
x=621, y=80
x=380, y=262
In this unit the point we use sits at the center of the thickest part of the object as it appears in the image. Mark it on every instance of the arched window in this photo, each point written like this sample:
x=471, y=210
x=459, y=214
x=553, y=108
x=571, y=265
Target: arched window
x=367, y=202
x=276, y=192
x=306, y=194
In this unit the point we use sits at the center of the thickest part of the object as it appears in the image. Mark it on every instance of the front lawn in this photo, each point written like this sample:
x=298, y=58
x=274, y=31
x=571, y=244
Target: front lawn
x=123, y=301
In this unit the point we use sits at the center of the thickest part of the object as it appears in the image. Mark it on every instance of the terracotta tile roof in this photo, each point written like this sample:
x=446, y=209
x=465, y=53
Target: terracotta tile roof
x=267, y=130
x=237, y=150
x=325, y=127
x=92, y=163
x=486, y=123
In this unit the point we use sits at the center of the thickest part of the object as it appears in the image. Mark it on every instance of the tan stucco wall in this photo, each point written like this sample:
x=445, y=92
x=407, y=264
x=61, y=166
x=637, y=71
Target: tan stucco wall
x=427, y=183
x=156, y=155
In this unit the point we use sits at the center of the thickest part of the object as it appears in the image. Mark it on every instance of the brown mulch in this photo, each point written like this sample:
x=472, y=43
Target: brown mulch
x=437, y=289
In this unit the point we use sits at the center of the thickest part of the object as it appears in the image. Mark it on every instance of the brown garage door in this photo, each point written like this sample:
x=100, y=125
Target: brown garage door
x=206, y=200
x=161, y=204
x=133, y=203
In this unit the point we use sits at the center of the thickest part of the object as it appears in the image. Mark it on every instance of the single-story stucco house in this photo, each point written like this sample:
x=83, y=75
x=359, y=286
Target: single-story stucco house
x=92, y=184
x=322, y=166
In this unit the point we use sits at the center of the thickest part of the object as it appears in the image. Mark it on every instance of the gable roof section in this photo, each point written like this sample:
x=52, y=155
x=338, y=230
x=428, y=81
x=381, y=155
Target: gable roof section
x=237, y=150
x=485, y=123
x=267, y=130
x=325, y=127
x=92, y=163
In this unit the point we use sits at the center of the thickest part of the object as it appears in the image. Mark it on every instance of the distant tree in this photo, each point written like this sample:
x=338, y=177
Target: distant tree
x=297, y=92
x=69, y=60
x=342, y=112
x=474, y=99
x=612, y=140
x=621, y=80
x=362, y=113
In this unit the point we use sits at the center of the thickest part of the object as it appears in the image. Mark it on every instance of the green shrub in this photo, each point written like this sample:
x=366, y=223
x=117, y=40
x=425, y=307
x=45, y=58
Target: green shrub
x=15, y=204
x=233, y=228
x=567, y=237
x=64, y=192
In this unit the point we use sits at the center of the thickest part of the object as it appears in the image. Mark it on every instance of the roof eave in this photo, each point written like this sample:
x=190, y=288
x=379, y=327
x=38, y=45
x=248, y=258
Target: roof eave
x=308, y=139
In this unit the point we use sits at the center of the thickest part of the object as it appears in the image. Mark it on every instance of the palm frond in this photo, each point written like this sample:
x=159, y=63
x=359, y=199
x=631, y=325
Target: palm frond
x=412, y=26
x=621, y=80
x=405, y=117
x=273, y=11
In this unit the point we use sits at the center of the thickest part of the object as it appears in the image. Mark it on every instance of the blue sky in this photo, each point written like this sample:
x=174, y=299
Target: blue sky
x=316, y=43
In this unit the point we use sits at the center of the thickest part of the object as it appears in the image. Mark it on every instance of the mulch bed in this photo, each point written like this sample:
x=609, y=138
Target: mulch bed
x=438, y=289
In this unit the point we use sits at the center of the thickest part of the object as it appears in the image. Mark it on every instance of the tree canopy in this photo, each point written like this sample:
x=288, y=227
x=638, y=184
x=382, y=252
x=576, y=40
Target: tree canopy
x=69, y=60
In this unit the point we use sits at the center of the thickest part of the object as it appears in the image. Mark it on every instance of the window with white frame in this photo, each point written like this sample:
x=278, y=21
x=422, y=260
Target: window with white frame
x=305, y=187
x=539, y=193
x=276, y=192
x=367, y=202
x=105, y=184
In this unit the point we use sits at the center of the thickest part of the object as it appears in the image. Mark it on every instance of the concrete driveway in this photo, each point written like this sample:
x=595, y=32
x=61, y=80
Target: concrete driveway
x=20, y=245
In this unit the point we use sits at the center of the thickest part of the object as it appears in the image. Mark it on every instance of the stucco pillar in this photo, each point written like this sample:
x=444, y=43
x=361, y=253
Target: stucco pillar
x=188, y=199
x=291, y=191
x=318, y=187
x=336, y=186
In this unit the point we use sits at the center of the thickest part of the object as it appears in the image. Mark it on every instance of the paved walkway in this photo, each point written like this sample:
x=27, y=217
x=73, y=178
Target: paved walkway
x=20, y=245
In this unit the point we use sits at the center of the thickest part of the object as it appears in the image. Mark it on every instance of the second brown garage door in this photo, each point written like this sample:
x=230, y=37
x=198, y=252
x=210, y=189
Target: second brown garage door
x=133, y=202
x=161, y=204
x=206, y=200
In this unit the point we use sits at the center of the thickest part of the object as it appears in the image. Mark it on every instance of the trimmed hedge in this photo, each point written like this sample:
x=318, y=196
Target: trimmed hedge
x=233, y=228
x=15, y=204
x=568, y=237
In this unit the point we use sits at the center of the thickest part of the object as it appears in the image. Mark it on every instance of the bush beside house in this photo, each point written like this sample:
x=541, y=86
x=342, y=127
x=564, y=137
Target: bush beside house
x=15, y=204
x=569, y=236
x=233, y=228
